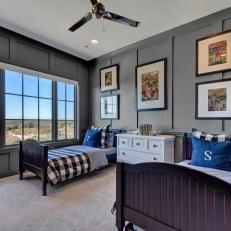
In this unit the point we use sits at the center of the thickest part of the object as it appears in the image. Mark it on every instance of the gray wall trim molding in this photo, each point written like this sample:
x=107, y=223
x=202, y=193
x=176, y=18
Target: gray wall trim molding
x=11, y=33
x=27, y=55
x=172, y=82
x=183, y=29
x=179, y=47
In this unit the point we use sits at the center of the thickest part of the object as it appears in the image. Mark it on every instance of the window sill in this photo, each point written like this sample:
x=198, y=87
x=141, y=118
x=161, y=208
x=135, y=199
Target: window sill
x=50, y=144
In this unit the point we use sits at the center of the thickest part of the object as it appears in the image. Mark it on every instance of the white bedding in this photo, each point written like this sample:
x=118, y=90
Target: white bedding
x=223, y=175
x=97, y=156
x=111, y=150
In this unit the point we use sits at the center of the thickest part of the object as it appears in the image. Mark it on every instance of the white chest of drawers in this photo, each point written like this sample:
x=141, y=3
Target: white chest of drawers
x=136, y=149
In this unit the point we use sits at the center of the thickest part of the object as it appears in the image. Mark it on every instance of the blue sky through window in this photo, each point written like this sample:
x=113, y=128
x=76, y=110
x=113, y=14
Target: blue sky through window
x=30, y=85
x=13, y=82
x=45, y=88
x=19, y=84
x=13, y=107
x=30, y=108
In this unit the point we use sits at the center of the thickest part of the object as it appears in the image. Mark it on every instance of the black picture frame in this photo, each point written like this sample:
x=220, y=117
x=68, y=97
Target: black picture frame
x=197, y=100
x=118, y=107
x=117, y=77
x=165, y=105
x=197, y=55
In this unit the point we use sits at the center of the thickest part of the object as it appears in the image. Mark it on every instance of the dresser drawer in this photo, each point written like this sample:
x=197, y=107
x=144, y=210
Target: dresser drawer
x=124, y=142
x=137, y=157
x=155, y=146
x=139, y=144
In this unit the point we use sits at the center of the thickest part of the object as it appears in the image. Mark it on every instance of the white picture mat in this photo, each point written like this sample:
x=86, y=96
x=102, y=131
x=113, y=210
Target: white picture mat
x=113, y=105
x=203, y=54
x=114, y=78
x=159, y=66
x=203, y=100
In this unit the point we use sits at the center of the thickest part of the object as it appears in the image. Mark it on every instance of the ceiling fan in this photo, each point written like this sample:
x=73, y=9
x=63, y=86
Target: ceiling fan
x=99, y=11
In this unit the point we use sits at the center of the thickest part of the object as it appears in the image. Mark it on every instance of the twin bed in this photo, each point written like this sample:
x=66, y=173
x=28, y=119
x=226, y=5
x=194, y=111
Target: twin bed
x=173, y=197
x=153, y=196
x=56, y=165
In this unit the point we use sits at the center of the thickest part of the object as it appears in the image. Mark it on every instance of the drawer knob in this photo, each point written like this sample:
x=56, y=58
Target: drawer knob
x=154, y=158
x=123, y=153
x=155, y=146
x=123, y=142
x=137, y=144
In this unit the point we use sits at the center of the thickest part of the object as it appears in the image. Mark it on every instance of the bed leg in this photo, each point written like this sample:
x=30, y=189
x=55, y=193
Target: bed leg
x=20, y=169
x=44, y=175
x=120, y=223
x=20, y=175
x=44, y=186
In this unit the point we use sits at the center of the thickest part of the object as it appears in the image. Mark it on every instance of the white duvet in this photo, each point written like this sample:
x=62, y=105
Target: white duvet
x=223, y=175
x=97, y=156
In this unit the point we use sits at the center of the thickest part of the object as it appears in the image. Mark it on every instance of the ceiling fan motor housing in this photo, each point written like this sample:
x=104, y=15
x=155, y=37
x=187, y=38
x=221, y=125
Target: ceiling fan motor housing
x=98, y=10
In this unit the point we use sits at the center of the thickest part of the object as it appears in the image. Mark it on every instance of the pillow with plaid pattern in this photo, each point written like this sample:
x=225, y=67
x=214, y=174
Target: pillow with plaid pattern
x=209, y=136
x=104, y=132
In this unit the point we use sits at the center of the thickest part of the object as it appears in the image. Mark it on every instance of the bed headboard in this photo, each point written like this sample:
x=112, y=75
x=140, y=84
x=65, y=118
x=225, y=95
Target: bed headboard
x=187, y=146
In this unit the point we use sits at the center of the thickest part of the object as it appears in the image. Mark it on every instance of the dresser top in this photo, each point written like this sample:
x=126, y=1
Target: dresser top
x=156, y=137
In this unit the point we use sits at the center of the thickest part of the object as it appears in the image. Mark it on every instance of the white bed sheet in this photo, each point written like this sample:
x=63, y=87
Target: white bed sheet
x=221, y=174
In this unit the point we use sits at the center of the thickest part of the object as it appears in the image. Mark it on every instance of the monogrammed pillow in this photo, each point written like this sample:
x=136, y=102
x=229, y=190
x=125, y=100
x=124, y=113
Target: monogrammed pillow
x=211, y=153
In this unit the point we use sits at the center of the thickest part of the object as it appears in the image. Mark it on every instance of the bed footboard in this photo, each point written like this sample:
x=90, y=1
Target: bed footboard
x=34, y=158
x=165, y=197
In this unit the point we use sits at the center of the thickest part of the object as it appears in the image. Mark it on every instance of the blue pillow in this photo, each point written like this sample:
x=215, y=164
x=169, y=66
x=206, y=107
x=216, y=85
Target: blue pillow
x=211, y=154
x=92, y=138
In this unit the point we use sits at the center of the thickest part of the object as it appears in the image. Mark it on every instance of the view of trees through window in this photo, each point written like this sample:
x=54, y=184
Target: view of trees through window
x=28, y=108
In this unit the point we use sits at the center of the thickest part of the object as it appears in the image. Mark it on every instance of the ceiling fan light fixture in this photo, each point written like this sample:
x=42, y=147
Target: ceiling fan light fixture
x=94, y=41
x=99, y=11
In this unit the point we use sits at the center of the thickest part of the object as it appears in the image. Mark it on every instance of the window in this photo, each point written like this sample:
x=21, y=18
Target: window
x=66, y=110
x=28, y=108
x=31, y=108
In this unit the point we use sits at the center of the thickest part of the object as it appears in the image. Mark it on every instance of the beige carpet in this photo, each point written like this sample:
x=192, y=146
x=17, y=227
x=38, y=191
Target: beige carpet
x=81, y=204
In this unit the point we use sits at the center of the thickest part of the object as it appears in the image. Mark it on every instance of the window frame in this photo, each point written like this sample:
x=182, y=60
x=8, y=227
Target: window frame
x=76, y=118
x=54, y=102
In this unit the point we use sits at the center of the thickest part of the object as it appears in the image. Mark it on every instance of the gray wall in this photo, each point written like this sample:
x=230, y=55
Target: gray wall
x=21, y=51
x=178, y=46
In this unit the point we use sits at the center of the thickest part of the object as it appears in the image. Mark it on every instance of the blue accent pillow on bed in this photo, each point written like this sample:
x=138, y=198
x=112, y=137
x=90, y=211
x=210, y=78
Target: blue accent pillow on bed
x=211, y=154
x=92, y=138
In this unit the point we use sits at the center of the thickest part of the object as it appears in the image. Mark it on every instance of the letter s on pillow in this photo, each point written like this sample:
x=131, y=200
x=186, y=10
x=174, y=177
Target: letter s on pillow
x=208, y=155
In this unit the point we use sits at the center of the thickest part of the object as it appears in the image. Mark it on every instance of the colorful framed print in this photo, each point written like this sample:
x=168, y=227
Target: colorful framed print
x=109, y=78
x=213, y=54
x=213, y=100
x=151, y=86
x=109, y=107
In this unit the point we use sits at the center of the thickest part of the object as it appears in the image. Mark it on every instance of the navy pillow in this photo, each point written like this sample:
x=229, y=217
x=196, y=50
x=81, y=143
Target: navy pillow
x=211, y=154
x=92, y=138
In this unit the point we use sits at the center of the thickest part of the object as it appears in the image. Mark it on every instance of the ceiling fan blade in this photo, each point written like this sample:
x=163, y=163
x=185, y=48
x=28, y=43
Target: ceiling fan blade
x=117, y=18
x=93, y=2
x=81, y=22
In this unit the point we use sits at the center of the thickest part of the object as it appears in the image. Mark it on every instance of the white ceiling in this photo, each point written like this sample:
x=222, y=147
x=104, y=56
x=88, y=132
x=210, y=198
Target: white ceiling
x=48, y=20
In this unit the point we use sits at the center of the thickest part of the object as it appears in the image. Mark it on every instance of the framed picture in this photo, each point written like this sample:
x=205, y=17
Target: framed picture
x=213, y=54
x=213, y=99
x=109, y=78
x=151, y=84
x=109, y=107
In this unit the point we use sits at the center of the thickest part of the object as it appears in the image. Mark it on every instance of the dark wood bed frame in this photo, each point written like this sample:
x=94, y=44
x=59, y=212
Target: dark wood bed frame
x=33, y=157
x=167, y=197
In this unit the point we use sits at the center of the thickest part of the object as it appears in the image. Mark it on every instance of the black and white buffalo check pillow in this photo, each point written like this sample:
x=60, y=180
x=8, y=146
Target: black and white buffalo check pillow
x=211, y=137
x=104, y=132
